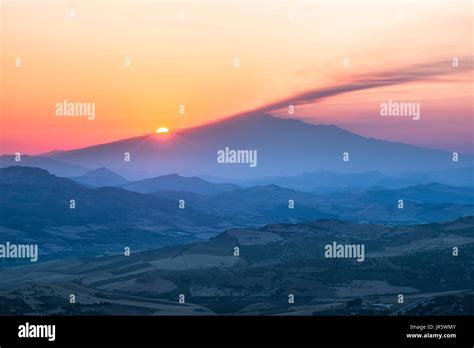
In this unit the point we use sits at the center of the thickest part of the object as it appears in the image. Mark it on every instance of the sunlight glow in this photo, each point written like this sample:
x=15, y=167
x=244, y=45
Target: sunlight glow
x=162, y=130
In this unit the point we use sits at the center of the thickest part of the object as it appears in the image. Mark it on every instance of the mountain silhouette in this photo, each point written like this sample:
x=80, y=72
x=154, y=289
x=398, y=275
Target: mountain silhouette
x=284, y=147
x=327, y=180
x=177, y=182
x=100, y=177
x=36, y=205
x=51, y=165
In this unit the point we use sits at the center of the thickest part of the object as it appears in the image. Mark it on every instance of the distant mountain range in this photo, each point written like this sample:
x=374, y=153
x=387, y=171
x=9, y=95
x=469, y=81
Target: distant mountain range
x=321, y=180
x=285, y=147
x=35, y=206
x=51, y=165
x=429, y=193
x=324, y=179
x=100, y=177
x=175, y=182
x=103, y=177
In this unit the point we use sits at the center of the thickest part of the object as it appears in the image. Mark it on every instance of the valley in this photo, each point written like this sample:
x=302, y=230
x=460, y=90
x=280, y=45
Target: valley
x=274, y=262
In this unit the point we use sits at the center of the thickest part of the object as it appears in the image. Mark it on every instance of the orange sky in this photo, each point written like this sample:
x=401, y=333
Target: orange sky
x=190, y=62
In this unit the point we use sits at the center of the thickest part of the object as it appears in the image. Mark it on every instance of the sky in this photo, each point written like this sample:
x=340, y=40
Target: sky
x=336, y=62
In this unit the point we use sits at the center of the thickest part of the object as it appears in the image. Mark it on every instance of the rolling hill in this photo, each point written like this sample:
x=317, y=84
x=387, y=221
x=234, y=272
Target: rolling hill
x=100, y=177
x=273, y=262
x=175, y=182
x=36, y=206
x=51, y=165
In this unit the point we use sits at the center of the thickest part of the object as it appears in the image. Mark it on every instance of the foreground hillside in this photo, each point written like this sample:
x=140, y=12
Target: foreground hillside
x=273, y=262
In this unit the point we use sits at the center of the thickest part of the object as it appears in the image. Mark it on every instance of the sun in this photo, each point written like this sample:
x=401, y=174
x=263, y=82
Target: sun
x=162, y=130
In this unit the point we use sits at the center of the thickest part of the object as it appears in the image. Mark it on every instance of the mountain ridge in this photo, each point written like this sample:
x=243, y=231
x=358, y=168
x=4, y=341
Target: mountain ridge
x=284, y=147
x=100, y=177
x=176, y=182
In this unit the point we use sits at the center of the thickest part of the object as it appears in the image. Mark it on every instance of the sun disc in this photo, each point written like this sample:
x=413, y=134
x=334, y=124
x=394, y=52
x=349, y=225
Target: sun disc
x=162, y=130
